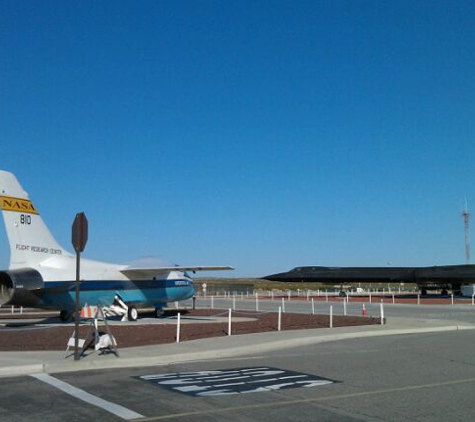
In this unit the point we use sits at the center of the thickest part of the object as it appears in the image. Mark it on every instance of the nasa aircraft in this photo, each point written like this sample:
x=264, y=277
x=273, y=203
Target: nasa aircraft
x=42, y=274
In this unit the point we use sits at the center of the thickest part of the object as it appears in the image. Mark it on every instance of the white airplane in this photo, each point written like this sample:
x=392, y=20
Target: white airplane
x=42, y=274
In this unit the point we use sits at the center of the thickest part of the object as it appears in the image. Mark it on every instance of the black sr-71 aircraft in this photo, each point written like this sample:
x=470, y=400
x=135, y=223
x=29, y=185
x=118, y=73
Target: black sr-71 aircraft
x=427, y=278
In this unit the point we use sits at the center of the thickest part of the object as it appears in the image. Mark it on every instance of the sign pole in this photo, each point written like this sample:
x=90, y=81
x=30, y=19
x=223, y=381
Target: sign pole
x=79, y=240
x=76, y=307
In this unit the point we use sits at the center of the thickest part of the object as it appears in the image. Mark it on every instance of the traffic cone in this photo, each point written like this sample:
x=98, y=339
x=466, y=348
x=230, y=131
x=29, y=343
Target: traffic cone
x=88, y=311
x=83, y=311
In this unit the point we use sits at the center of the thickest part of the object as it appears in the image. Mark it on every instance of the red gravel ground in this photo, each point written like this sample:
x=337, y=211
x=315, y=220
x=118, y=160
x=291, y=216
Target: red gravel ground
x=18, y=337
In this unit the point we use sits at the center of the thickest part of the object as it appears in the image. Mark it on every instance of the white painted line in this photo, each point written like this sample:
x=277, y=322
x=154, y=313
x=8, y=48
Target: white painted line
x=120, y=411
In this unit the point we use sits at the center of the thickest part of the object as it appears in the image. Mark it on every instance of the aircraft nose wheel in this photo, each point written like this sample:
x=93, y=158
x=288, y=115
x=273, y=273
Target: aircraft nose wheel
x=132, y=313
x=159, y=312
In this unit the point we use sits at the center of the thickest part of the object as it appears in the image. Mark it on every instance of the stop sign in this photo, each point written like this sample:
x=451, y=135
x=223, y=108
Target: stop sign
x=79, y=232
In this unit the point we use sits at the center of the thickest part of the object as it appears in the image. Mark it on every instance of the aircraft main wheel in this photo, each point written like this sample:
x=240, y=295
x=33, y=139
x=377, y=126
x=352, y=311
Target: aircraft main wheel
x=65, y=316
x=159, y=312
x=132, y=313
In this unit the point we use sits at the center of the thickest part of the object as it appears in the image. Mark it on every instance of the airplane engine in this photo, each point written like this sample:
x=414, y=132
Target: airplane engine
x=18, y=287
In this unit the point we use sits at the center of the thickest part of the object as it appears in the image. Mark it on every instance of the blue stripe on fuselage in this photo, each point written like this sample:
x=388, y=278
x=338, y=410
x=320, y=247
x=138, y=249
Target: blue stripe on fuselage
x=91, y=285
x=61, y=294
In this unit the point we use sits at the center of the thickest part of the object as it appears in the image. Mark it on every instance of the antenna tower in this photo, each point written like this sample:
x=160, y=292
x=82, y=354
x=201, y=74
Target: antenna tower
x=466, y=218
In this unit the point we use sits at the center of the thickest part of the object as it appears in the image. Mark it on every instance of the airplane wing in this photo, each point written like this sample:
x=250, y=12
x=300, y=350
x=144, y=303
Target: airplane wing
x=150, y=272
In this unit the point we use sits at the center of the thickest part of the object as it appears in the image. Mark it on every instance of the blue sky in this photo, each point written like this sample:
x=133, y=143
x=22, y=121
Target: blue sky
x=259, y=134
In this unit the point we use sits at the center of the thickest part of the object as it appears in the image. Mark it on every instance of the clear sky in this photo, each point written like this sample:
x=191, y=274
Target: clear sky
x=259, y=134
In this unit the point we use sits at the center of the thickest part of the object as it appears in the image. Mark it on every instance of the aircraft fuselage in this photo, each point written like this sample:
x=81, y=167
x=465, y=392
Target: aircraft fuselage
x=425, y=277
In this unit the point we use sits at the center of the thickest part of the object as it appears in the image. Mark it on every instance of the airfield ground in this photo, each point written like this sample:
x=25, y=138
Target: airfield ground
x=382, y=372
x=48, y=334
x=35, y=330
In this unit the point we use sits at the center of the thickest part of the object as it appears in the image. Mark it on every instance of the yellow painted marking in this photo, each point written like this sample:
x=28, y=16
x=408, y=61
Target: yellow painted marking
x=310, y=400
x=25, y=206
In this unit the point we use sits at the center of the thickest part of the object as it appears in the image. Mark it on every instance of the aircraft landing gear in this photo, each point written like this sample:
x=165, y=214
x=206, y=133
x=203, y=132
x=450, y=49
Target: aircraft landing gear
x=120, y=308
x=159, y=312
x=66, y=316
x=132, y=313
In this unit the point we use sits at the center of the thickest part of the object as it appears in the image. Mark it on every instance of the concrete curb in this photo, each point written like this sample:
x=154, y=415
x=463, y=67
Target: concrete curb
x=16, y=371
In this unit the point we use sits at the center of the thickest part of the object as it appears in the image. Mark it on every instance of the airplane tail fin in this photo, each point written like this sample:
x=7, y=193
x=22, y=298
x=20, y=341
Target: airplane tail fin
x=30, y=240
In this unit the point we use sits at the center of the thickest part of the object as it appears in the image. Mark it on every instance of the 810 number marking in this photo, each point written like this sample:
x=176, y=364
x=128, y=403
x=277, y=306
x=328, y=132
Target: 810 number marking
x=25, y=219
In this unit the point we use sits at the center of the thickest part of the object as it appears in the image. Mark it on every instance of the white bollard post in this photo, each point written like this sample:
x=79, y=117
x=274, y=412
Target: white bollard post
x=229, y=323
x=331, y=316
x=326, y=295
x=178, y=329
x=370, y=296
x=394, y=300
x=283, y=305
x=13, y=309
x=279, y=321
x=473, y=300
x=212, y=302
x=257, y=303
x=452, y=298
x=418, y=299
x=344, y=308
x=21, y=309
x=288, y=294
x=382, y=313
x=313, y=307
x=272, y=295
x=234, y=302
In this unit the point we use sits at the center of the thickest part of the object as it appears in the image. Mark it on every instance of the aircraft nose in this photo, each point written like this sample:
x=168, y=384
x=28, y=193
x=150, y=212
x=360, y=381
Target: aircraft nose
x=275, y=277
